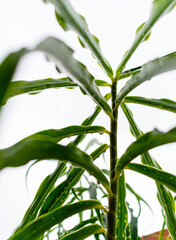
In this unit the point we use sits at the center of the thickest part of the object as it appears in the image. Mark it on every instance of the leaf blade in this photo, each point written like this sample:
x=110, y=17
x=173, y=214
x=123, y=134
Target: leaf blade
x=69, y=19
x=169, y=180
x=159, y=8
x=61, y=54
x=164, y=104
x=45, y=222
x=84, y=232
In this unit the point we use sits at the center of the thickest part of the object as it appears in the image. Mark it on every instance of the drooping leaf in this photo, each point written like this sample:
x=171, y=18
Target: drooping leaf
x=122, y=213
x=148, y=141
x=129, y=72
x=27, y=150
x=165, y=198
x=39, y=226
x=159, y=8
x=59, y=195
x=62, y=55
x=139, y=199
x=7, y=69
x=164, y=104
x=41, y=194
x=168, y=179
x=69, y=19
x=147, y=72
x=84, y=232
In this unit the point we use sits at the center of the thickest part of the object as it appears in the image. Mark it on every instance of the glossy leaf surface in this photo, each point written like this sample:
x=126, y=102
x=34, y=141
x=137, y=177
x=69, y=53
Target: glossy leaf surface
x=159, y=8
x=147, y=72
x=146, y=142
x=62, y=55
x=169, y=180
x=28, y=150
x=37, y=227
x=58, y=196
x=69, y=19
x=164, y=104
x=84, y=232
x=36, y=86
x=56, y=135
x=165, y=198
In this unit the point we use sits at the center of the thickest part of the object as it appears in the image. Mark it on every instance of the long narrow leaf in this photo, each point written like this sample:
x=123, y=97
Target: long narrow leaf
x=165, y=197
x=122, y=213
x=36, y=86
x=41, y=194
x=39, y=226
x=69, y=19
x=159, y=8
x=148, y=141
x=164, y=104
x=59, y=195
x=84, y=232
x=62, y=55
x=7, y=69
x=56, y=135
x=25, y=151
x=168, y=179
x=147, y=72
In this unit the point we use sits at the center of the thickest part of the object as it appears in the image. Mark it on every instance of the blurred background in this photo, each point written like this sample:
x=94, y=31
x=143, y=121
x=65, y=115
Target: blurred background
x=24, y=24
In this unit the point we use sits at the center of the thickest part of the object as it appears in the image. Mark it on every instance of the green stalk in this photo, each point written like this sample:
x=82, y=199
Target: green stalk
x=112, y=213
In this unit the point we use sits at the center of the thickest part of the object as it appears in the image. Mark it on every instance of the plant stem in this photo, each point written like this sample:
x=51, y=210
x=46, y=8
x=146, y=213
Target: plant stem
x=112, y=214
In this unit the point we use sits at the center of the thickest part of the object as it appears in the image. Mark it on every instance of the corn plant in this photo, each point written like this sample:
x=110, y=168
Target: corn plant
x=111, y=216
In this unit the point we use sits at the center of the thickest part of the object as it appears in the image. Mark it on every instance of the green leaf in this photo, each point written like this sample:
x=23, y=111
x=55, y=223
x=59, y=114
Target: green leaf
x=36, y=86
x=7, y=69
x=139, y=199
x=56, y=135
x=28, y=150
x=41, y=194
x=84, y=232
x=122, y=213
x=69, y=19
x=147, y=72
x=165, y=197
x=148, y=141
x=138, y=32
x=39, y=226
x=164, y=104
x=88, y=121
x=59, y=195
x=83, y=223
x=62, y=55
x=159, y=8
x=169, y=180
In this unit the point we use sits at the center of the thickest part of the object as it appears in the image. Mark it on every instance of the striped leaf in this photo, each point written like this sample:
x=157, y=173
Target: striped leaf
x=159, y=8
x=69, y=19
x=164, y=104
x=122, y=213
x=147, y=72
x=62, y=55
x=165, y=198
x=146, y=142
x=167, y=179
x=84, y=232
x=34, y=229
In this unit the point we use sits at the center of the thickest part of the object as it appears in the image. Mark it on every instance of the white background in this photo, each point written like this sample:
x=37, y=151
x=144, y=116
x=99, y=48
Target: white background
x=24, y=24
